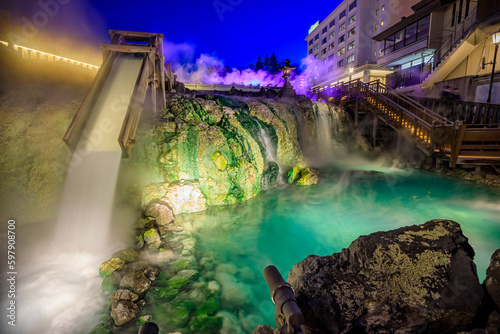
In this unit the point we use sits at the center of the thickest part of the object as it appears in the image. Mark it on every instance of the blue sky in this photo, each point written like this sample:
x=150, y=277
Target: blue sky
x=235, y=31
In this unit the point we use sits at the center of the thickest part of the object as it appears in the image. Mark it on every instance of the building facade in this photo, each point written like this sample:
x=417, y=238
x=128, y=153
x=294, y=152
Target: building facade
x=443, y=43
x=342, y=43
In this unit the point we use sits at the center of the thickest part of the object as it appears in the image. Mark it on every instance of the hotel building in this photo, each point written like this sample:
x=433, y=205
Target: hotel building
x=343, y=44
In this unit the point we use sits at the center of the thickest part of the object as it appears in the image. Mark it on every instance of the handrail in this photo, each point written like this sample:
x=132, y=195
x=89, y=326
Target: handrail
x=452, y=41
x=411, y=101
x=472, y=113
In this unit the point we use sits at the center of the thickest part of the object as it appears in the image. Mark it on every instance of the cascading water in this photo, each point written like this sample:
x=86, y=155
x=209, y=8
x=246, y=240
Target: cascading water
x=266, y=141
x=271, y=158
x=326, y=132
x=59, y=288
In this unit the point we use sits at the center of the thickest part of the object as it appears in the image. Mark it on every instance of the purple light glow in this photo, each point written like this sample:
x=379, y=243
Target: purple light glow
x=210, y=70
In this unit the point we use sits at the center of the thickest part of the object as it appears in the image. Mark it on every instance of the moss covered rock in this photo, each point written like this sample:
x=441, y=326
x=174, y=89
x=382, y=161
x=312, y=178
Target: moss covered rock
x=208, y=307
x=108, y=267
x=152, y=238
x=217, y=142
x=173, y=315
x=413, y=279
x=182, y=279
x=205, y=324
x=308, y=177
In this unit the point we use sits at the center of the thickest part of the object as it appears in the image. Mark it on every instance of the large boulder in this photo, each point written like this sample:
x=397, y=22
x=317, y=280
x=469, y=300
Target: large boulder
x=492, y=280
x=414, y=279
x=123, y=308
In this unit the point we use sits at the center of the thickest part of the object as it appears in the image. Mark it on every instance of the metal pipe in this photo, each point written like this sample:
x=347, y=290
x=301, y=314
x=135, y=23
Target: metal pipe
x=492, y=74
x=149, y=328
x=284, y=299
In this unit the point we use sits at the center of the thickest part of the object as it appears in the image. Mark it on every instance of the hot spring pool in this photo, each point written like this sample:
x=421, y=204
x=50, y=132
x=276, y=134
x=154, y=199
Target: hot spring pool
x=284, y=225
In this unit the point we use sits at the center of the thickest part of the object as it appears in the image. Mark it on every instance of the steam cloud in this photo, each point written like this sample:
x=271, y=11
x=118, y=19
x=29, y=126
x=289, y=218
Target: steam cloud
x=207, y=69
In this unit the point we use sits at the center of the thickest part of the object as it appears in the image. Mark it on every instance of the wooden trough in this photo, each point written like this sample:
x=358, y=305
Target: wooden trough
x=151, y=78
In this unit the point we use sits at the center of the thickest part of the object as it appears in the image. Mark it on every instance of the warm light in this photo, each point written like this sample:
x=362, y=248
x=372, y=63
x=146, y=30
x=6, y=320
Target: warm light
x=496, y=37
x=42, y=54
x=351, y=69
x=4, y=43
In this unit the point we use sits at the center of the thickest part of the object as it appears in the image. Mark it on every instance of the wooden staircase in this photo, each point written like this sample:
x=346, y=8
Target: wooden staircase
x=456, y=141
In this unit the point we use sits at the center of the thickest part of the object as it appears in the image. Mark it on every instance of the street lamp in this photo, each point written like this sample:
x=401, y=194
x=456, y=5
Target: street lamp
x=496, y=41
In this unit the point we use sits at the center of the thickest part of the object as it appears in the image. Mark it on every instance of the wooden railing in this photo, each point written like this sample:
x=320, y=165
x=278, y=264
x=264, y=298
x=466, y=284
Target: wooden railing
x=471, y=113
x=473, y=139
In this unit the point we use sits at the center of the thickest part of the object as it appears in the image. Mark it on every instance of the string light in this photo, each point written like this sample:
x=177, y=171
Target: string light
x=42, y=54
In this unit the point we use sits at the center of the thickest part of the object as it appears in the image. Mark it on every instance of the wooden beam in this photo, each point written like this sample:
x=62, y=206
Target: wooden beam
x=127, y=48
x=75, y=129
x=134, y=34
x=131, y=121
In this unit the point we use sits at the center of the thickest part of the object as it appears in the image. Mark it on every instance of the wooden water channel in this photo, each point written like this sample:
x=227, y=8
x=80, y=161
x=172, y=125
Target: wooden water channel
x=470, y=134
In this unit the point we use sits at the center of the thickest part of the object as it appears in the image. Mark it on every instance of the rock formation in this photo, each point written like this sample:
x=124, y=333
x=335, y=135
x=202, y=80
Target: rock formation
x=227, y=149
x=414, y=279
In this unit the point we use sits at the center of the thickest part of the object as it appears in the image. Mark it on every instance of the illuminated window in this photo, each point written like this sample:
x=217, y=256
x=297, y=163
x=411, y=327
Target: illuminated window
x=324, y=30
x=383, y=7
x=351, y=45
x=332, y=34
x=351, y=32
x=341, y=39
x=342, y=27
x=341, y=52
x=382, y=23
x=376, y=26
x=316, y=47
x=350, y=59
x=376, y=12
x=352, y=19
x=342, y=14
x=331, y=46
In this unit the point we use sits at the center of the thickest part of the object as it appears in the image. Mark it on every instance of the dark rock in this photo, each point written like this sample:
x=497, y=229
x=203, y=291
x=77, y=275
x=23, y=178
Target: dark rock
x=493, y=325
x=492, y=280
x=123, y=294
x=414, y=279
x=135, y=281
x=123, y=312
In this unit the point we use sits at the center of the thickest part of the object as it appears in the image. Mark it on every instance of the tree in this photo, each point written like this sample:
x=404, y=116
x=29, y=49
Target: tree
x=266, y=62
x=273, y=64
x=259, y=65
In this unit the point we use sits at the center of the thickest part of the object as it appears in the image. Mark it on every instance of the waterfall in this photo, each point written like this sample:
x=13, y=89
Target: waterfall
x=267, y=143
x=273, y=172
x=326, y=132
x=61, y=288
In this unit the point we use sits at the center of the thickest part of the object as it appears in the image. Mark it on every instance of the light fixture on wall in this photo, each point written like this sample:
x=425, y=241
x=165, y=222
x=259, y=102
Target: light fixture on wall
x=496, y=41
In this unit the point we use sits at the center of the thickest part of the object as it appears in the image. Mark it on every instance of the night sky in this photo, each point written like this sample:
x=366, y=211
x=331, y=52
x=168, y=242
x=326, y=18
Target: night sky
x=235, y=31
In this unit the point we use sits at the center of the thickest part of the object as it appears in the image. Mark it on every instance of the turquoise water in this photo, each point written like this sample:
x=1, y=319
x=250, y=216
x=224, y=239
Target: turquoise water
x=284, y=225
